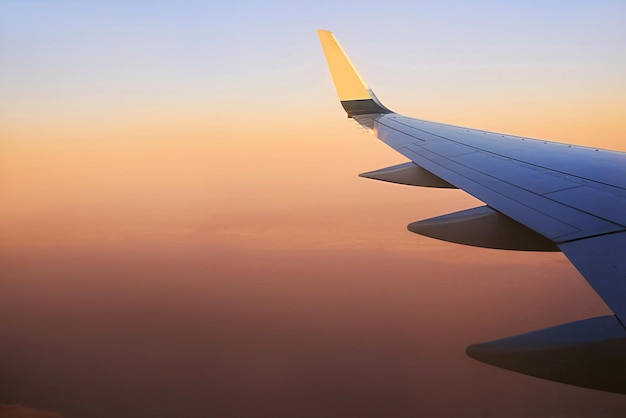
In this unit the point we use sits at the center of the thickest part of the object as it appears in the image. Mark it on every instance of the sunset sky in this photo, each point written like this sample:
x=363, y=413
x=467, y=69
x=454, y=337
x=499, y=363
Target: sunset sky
x=182, y=228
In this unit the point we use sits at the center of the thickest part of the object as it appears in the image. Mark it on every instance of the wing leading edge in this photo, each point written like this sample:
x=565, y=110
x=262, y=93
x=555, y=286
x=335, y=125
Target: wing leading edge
x=539, y=196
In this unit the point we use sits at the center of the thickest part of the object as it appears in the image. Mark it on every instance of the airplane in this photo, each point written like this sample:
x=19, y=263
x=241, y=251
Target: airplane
x=538, y=196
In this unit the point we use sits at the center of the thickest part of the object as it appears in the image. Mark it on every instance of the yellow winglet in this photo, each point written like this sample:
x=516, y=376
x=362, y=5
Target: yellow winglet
x=354, y=94
x=348, y=82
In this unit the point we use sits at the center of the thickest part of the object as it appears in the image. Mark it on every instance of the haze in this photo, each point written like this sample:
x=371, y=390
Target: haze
x=184, y=232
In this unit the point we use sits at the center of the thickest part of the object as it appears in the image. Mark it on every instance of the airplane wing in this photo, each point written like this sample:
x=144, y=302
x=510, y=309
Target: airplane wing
x=539, y=196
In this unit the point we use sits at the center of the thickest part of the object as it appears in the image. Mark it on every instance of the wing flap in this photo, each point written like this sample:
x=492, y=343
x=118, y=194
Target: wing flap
x=601, y=261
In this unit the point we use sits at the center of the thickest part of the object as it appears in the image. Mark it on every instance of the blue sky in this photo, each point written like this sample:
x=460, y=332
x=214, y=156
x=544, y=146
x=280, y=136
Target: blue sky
x=225, y=52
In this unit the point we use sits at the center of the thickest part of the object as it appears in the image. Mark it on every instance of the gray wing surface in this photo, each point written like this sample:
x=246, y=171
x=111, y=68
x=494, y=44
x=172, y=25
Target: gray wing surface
x=574, y=197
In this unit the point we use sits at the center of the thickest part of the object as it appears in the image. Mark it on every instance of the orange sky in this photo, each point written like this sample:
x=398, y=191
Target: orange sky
x=271, y=182
x=182, y=232
x=148, y=221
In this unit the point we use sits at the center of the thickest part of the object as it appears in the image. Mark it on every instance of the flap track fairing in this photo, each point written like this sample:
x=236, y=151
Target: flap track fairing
x=483, y=227
x=587, y=353
x=410, y=174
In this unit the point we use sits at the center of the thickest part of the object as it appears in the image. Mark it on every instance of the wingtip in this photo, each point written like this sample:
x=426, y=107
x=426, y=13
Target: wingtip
x=354, y=93
x=348, y=82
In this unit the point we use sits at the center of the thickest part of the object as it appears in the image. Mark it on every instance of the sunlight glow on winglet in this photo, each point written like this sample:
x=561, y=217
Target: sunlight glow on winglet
x=355, y=96
x=348, y=82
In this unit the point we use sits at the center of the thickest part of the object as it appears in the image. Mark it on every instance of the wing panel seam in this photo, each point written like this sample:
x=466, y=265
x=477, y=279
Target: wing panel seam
x=495, y=153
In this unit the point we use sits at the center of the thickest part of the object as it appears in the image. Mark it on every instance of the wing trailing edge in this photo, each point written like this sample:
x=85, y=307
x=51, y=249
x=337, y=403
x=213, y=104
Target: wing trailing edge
x=601, y=261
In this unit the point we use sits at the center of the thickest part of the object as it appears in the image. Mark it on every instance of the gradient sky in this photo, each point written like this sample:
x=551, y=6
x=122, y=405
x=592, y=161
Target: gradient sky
x=184, y=234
